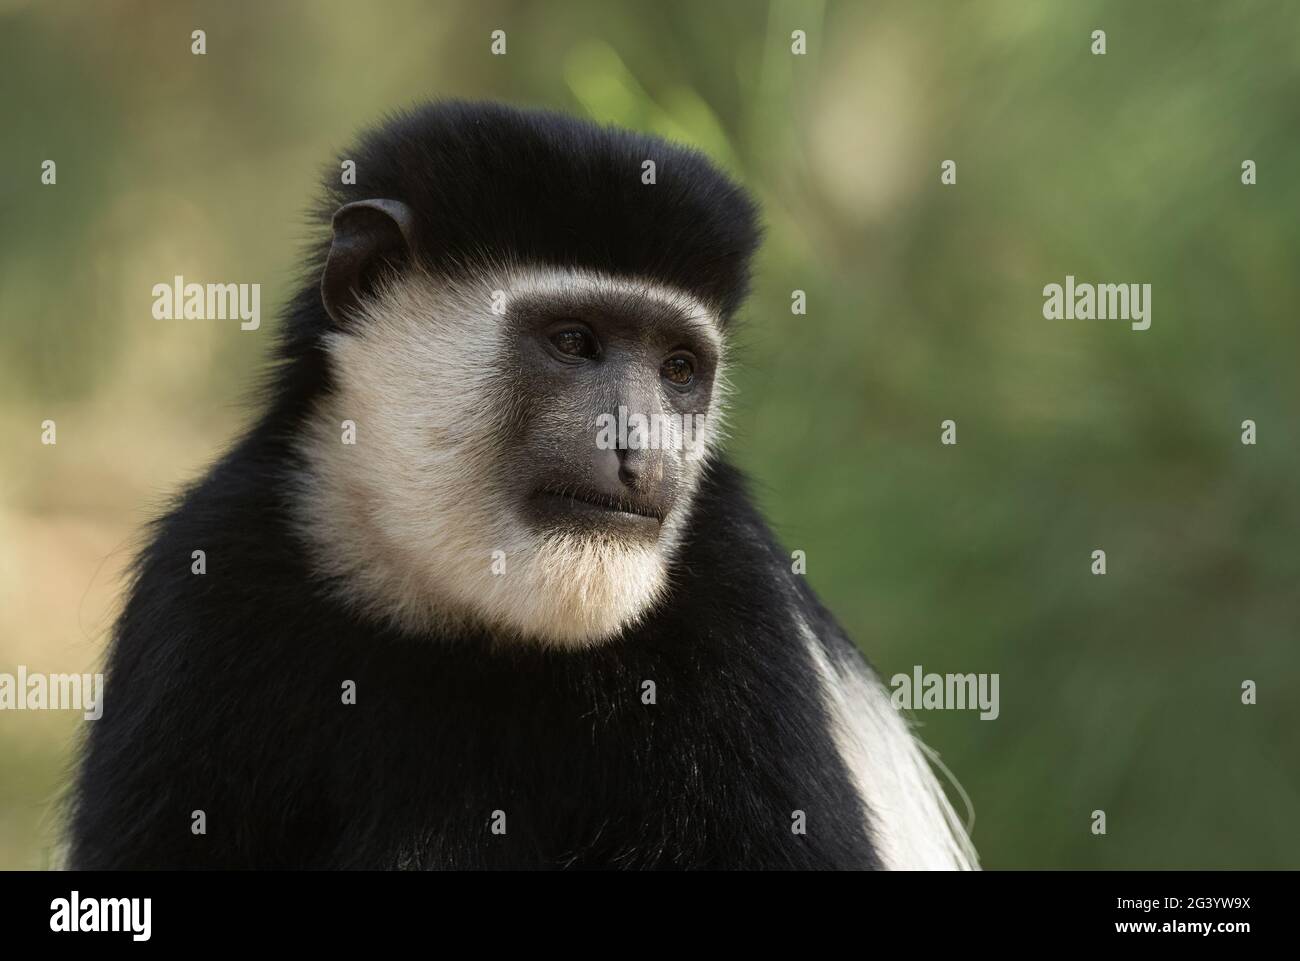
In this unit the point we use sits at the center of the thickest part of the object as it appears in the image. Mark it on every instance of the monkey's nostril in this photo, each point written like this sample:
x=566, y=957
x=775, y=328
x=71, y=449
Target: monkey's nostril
x=630, y=463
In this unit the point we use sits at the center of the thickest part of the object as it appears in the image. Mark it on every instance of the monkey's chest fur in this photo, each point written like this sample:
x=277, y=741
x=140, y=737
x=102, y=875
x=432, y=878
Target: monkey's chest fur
x=697, y=740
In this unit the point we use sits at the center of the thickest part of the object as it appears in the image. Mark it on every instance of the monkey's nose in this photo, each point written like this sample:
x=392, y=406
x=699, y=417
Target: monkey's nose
x=626, y=472
x=631, y=475
x=640, y=470
x=629, y=468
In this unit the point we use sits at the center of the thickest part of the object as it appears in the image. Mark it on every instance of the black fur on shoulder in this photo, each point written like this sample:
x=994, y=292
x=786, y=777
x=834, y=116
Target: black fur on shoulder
x=223, y=696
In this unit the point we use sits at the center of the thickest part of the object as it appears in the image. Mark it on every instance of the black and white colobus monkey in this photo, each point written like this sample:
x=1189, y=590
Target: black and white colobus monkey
x=564, y=654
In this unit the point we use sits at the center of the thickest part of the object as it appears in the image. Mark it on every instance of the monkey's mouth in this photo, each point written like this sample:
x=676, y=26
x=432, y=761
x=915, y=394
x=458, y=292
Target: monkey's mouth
x=581, y=502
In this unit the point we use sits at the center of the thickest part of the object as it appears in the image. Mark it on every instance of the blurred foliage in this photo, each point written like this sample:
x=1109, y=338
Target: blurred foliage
x=1118, y=692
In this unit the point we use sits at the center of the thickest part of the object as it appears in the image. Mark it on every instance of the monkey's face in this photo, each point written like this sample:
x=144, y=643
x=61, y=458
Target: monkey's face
x=527, y=448
x=620, y=386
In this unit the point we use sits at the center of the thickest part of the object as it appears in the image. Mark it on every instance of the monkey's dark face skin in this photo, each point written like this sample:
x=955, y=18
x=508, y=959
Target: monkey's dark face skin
x=586, y=358
x=479, y=635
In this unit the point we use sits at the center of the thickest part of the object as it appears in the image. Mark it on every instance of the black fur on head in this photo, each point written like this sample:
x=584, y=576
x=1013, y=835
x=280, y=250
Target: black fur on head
x=488, y=181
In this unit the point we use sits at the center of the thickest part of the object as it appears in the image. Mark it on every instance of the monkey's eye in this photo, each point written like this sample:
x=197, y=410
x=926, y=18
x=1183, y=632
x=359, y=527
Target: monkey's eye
x=678, y=370
x=574, y=342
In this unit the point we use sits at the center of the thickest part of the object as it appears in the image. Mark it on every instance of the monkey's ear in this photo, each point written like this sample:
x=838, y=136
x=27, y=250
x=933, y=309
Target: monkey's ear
x=369, y=237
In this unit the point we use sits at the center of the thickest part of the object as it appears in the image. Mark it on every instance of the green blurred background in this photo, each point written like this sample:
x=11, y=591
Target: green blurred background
x=1119, y=693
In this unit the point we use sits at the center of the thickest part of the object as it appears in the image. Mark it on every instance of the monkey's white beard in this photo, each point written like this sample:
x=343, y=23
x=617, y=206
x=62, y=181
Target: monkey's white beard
x=572, y=589
x=557, y=589
x=408, y=523
x=428, y=556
